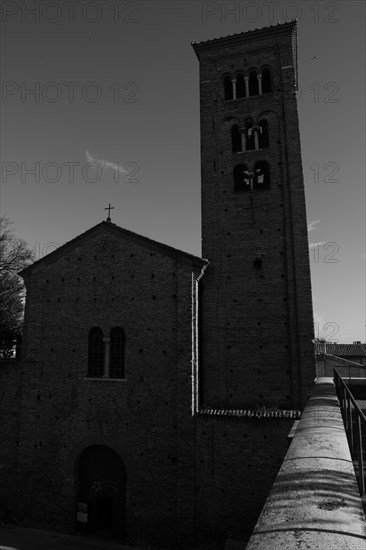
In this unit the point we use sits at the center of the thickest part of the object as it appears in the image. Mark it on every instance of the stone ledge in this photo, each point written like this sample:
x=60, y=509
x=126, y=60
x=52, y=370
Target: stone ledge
x=260, y=412
x=314, y=502
x=102, y=379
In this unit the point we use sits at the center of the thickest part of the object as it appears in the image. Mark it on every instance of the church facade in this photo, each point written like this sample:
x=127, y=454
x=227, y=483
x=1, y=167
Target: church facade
x=156, y=389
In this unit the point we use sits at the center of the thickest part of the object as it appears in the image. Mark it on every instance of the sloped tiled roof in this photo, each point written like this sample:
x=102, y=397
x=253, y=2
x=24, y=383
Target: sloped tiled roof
x=342, y=350
x=123, y=233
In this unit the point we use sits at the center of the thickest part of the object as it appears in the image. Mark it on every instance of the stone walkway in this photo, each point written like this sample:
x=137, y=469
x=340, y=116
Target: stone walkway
x=22, y=538
x=314, y=502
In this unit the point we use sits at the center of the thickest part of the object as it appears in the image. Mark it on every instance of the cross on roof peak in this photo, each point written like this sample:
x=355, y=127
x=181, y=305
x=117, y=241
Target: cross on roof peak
x=109, y=208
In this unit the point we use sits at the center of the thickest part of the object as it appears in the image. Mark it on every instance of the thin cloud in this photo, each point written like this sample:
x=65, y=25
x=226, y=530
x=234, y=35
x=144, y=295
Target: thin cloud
x=313, y=245
x=106, y=164
x=312, y=225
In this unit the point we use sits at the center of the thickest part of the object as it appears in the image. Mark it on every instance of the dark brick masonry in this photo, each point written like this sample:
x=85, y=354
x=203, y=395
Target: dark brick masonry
x=239, y=340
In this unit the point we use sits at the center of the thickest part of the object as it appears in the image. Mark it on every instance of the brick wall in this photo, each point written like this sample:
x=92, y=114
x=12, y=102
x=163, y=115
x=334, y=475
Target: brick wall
x=107, y=282
x=9, y=432
x=188, y=476
x=237, y=460
x=257, y=325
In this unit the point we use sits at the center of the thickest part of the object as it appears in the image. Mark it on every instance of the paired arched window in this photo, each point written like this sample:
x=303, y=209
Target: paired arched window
x=253, y=83
x=263, y=138
x=95, y=353
x=240, y=86
x=106, y=356
x=246, y=180
x=261, y=175
x=236, y=139
x=228, y=87
x=117, y=357
x=266, y=81
x=246, y=85
x=251, y=137
x=241, y=178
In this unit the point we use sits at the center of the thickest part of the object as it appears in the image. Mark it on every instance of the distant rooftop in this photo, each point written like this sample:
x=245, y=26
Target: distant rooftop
x=357, y=349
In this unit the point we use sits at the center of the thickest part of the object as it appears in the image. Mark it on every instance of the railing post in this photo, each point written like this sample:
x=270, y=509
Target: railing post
x=360, y=458
x=338, y=388
x=340, y=395
x=349, y=406
x=350, y=430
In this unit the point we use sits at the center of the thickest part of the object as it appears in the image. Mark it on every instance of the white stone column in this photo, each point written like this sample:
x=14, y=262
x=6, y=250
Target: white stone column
x=233, y=81
x=243, y=139
x=246, y=78
x=259, y=76
x=107, y=353
x=256, y=137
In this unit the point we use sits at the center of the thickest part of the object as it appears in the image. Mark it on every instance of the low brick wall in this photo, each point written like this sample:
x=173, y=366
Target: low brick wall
x=10, y=374
x=314, y=502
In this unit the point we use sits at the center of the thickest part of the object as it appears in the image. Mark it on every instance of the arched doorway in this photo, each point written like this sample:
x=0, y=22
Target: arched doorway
x=101, y=498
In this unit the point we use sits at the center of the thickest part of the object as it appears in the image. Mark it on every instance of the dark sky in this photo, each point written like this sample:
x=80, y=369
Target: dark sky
x=117, y=82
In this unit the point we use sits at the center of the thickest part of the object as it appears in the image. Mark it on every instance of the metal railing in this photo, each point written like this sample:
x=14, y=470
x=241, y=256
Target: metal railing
x=346, y=363
x=355, y=425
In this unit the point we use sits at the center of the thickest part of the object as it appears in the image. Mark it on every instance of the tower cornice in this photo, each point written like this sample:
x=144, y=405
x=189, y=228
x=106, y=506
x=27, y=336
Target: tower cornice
x=237, y=38
x=250, y=36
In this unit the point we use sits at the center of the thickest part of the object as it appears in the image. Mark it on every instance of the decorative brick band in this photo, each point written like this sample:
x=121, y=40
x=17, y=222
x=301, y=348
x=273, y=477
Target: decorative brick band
x=252, y=413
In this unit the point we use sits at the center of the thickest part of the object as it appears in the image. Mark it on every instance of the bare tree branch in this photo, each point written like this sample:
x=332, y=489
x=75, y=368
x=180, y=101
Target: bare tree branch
x=14, y=256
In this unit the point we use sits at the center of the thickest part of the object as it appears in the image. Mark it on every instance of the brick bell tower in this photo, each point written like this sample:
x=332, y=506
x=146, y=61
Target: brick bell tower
x=257, y=322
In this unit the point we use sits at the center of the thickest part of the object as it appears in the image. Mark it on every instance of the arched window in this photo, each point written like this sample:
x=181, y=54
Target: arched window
x=236, y=139
x=266, y=81
x=241, y=178
x=240, y=86
x=263, y=134
x=95, y=353
x=117, y=358
x=253, y=83
x=228, y=88
x=261, y=175
x=249, y=135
